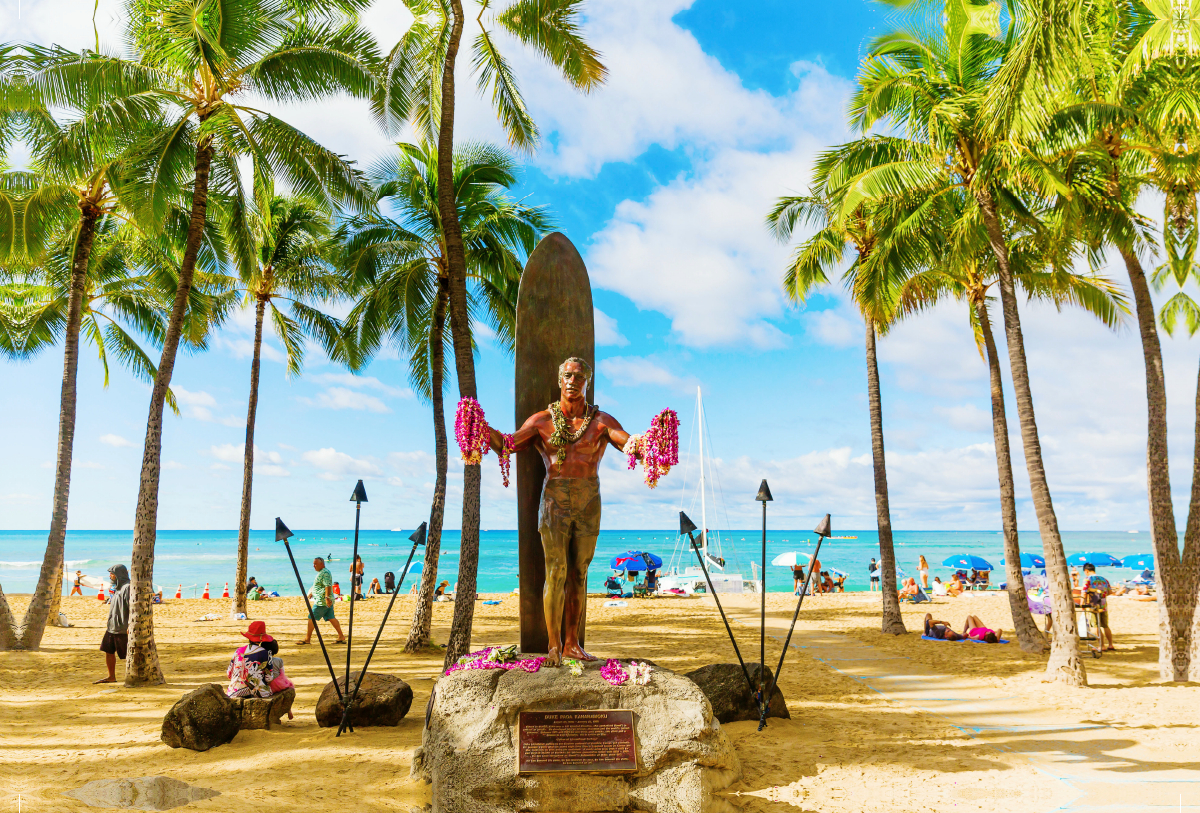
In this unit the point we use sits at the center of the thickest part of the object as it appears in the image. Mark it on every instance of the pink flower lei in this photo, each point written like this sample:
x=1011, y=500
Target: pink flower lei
x=657, y=448
x=618, y=675
x=495, y=657
x=473, y=434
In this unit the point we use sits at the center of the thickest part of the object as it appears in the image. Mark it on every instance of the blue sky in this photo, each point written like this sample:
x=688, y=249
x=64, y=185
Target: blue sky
x=662, y=179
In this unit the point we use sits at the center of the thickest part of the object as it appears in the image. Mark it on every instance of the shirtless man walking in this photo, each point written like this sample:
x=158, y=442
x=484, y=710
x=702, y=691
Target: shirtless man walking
x=571, y=437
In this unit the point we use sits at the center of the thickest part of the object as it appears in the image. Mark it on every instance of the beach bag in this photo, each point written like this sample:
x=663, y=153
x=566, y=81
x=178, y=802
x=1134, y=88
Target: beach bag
x=281, y=683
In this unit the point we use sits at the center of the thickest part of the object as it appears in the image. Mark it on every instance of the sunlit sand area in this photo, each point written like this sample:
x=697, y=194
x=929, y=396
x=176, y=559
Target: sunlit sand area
x=877, y=722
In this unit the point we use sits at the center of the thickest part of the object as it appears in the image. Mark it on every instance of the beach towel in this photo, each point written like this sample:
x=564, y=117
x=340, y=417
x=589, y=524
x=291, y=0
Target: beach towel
x=491, y=602
x=615, y=604
x=944, y=641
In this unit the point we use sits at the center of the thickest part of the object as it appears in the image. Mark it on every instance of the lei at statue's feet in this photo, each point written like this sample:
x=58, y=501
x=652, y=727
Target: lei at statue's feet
x=574, y=650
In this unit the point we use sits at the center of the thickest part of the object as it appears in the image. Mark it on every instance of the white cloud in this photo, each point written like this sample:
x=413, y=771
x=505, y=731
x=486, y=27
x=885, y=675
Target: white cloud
x=266, y=462
x=115, y=440
x=835, y=329
x=195, y=399
x=342, y=398
x=229, y=452
x=606, y=330
x=362, y=382
x=632, y=371
x=335, y=464
x=967, y=417
x=271, y=470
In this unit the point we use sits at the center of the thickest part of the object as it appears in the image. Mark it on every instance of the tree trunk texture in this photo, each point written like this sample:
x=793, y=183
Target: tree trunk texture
x=1029, y=636
x=142, y=666
x=243, y=562
x=56, y=598
x=892, y=621
x=459, y=642
x=1064, y=663
x=1176, y=589
x=38, y=612
x=8, y=632
x=1188, y=573
x=420, y=634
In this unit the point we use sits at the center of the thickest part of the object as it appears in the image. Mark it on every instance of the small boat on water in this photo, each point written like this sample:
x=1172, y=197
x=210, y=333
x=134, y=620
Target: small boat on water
x=683, y=574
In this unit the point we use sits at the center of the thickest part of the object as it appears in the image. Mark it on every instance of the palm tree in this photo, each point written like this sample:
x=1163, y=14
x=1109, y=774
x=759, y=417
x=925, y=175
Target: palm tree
x=966, y=270
x=401, y=264
x=194, y=60
x=936, y=89
x=417, y=85
x=291, y=239
x=880, y=261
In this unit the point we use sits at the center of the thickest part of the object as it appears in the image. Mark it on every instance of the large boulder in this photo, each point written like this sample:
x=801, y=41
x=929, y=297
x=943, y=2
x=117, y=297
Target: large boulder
x=382, y=700
x=201, y=719
x=264, y=712
x=724, y=684
x=469, y=746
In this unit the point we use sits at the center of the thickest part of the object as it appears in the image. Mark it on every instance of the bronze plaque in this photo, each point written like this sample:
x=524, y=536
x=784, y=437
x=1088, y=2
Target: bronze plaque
x=599, y=740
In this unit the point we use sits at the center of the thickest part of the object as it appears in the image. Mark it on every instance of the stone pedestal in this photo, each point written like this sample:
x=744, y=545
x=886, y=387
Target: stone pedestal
x=469, y=748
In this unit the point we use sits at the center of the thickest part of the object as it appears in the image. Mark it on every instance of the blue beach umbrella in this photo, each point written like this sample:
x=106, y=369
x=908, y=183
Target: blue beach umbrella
x=833, y=571
x=967, y=561
x=1093, y=558
x=1029, y=560
x=1139, y=561
x=635, y=561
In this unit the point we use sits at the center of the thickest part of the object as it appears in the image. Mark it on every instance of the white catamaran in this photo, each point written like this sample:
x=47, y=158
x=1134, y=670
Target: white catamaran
x=684, y=573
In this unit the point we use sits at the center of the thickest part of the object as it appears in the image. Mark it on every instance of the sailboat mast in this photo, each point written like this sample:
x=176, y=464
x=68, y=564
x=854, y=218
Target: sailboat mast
x=703, y=517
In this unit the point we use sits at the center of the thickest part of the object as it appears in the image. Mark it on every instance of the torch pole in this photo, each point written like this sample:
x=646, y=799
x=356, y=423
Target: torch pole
x=795, y=615
x=349, y=703
x=350, y=626
x=713, y=591
x=762, y=625
x=316, y=626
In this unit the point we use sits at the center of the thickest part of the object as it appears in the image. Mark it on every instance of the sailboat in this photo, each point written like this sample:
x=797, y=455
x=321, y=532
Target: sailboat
x=684, y=574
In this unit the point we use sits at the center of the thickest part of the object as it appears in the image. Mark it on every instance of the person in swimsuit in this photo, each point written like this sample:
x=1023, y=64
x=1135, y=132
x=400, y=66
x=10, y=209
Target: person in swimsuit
x=76, y=588
x=940, y=629
x=797, y=578
x=973, y=628
x=571, y=436
x=356, y=576
x=923, y=571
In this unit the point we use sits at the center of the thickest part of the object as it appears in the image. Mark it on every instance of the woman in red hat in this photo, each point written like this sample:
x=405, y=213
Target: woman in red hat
x=254, y=668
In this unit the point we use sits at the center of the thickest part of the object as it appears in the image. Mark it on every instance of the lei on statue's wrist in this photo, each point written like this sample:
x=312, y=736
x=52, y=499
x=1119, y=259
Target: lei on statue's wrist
x=657, y=448
x=473, y=434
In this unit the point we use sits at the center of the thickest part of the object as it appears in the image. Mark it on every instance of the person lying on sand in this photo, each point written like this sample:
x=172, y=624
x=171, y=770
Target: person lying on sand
x=940, y=629
x=973, y=628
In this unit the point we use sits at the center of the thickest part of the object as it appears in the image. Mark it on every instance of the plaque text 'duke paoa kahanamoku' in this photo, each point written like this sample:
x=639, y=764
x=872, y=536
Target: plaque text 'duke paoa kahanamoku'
x=576, y=740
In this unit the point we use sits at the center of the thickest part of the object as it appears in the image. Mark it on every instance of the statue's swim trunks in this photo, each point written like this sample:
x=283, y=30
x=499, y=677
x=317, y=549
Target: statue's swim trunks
x=570, y=512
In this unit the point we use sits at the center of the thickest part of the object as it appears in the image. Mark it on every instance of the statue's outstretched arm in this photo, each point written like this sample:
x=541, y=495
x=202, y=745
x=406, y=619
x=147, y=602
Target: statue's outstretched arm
x=522, y=439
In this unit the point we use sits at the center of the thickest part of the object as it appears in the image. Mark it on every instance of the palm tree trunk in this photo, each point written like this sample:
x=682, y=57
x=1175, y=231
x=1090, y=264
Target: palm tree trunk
x=419, y=635
x=1176, y=589
x=891, y=618
x=1186, y=576
x=243, y=565
x=38, y=611
x=1064, y=664
x=459, y=641
x=8, y=632
x=1029, y=636
x=142, y=666
x=56, y=599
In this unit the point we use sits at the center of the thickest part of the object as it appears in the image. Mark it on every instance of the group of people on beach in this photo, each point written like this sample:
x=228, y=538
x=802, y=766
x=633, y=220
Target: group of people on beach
x=824, y=582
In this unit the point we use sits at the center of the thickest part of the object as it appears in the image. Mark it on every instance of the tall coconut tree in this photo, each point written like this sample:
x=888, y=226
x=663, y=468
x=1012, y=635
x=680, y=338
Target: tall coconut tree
x=934, y=88
x=882, y=254
x=417, y=86
x=965, y=269
x=399, y=262
x=195, y=62
x=289, y=267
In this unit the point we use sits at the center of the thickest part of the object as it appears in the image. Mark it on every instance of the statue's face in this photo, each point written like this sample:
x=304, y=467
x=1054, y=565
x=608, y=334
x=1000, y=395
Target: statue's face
x=572, y=380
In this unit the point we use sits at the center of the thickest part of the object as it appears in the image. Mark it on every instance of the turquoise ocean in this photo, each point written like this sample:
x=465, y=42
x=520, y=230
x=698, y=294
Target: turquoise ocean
x=192, y=558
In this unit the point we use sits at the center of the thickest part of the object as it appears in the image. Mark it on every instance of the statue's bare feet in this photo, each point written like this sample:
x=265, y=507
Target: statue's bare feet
x=553, y=657
x=574, y=650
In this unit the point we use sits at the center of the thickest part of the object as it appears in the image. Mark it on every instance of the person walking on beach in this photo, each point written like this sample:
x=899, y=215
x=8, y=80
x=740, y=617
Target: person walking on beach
x=322, y=606
x=923, y=571
x=873, y=572
x=116, y=633
x=1100, y=586
x=76, y=589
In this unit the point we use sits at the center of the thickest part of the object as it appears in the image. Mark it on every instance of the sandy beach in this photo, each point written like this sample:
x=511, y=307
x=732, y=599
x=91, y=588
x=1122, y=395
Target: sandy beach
x=870, y=730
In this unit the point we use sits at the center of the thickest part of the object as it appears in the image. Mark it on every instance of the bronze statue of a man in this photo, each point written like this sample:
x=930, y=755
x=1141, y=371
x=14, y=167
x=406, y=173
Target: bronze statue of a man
x=571, y=437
